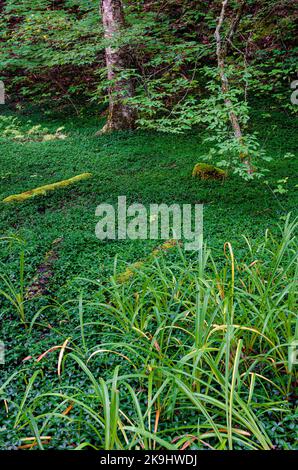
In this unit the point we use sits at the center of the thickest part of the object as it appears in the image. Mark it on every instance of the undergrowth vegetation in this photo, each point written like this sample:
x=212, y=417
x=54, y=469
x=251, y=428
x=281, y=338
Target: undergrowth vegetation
x=189, y=353
x=114, y=335
x=125, y=344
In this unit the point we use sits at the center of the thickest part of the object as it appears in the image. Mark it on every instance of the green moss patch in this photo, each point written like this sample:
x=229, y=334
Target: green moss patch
x=206, y=172
x=42, y=190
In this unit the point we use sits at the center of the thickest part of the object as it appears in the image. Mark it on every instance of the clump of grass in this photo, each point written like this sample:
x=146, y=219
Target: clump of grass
x=187, y=354
x=14, y=292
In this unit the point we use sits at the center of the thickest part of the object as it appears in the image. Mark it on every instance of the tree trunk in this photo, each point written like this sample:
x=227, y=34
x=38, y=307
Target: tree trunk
x=221, y=52
x=121, y=115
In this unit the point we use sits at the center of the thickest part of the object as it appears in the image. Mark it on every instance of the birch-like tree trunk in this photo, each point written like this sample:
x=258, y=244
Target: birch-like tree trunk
x=121, y=115
x=221, y=52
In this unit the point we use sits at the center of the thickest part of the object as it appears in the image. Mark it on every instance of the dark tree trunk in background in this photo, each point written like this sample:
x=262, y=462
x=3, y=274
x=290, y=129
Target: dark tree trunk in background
x=121, y=115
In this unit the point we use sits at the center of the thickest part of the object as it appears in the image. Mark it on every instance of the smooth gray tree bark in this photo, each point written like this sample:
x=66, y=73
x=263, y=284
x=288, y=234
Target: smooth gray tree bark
x=121, y=115
x=221, y=52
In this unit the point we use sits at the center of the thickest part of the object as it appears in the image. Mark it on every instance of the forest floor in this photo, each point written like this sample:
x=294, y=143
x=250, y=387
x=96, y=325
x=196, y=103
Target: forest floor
x=145, y=167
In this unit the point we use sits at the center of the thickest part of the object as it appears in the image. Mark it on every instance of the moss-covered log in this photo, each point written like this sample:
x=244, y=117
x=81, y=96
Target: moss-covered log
x=42, y=190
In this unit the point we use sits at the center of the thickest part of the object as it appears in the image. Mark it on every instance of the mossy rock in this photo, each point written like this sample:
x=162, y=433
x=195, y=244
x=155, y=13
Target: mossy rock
x=208, y=172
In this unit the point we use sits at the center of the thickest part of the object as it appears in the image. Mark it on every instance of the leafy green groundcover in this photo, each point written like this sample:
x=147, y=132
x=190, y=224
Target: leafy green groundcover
x=184, y=354
x=231, y=388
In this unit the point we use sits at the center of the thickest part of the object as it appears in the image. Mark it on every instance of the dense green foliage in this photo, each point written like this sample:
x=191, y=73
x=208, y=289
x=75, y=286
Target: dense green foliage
x=53, y=55
x=168, y=360
x=54, y=49
x=138, y=344
x=152, y=320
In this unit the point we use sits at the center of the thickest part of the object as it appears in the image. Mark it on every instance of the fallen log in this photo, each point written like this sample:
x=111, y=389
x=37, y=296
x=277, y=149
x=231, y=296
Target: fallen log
x=42, y=190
